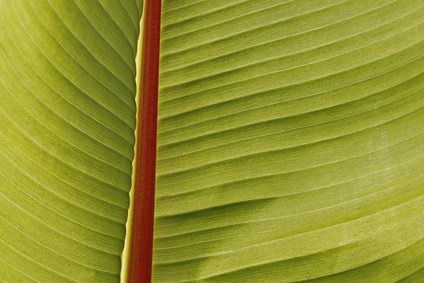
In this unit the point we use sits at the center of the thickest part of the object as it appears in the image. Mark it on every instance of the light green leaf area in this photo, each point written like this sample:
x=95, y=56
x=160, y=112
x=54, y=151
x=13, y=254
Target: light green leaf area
x=290, y=141
x=67, y=118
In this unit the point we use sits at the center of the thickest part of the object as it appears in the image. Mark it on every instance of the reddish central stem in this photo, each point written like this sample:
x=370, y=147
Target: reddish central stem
x=140, y=262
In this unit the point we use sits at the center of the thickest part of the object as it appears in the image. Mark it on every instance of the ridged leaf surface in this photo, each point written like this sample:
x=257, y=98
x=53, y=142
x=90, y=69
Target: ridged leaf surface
x=67, y=118
x=290, y=141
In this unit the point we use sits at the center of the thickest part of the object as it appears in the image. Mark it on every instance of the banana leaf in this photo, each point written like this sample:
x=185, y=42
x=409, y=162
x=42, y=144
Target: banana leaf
x=290, y=140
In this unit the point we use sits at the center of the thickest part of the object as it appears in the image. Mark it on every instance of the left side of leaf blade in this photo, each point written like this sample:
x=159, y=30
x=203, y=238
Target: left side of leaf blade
x=67, y=115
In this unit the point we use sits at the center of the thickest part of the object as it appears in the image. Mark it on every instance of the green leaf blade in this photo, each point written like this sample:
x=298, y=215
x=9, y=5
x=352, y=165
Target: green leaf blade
x=67, y=112
x=290, y=142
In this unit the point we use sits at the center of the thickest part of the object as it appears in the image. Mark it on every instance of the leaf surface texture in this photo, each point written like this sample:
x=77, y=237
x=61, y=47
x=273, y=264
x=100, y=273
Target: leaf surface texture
x=67, y=117
x=290, y=141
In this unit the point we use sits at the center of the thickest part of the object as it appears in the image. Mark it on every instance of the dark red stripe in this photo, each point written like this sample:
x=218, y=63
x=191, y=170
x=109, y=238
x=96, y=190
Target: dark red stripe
x=140, y=263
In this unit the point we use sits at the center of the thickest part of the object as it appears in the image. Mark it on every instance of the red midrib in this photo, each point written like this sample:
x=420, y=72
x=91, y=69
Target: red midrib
x=140, y=262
